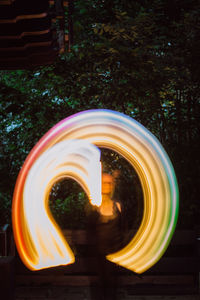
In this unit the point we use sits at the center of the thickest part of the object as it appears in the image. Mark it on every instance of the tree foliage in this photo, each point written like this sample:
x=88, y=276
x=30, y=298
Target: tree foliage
x=137, y=57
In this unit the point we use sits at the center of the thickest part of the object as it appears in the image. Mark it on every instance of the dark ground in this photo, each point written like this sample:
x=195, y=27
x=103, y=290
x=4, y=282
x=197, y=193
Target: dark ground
x=83, y=293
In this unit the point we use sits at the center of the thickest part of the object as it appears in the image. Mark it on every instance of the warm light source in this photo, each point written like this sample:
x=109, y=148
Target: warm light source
x=115, y=131
x=41, y=243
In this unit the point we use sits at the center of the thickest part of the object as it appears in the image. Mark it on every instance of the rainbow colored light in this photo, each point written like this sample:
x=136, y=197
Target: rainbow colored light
x=69, y=149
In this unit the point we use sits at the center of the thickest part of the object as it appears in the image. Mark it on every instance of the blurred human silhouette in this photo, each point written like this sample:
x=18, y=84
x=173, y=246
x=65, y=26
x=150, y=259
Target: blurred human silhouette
x=105, y=231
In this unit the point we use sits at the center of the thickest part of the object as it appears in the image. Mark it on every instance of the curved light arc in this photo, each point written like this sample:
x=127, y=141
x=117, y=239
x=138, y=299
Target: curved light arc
x=126, y=136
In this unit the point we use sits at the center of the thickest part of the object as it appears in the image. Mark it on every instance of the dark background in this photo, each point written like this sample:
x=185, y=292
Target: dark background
x=137, y=57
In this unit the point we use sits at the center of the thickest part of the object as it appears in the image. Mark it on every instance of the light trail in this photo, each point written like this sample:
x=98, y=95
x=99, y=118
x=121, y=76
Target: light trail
x=115, y=131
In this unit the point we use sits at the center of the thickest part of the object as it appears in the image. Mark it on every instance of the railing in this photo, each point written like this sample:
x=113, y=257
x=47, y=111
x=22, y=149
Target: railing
x=7, y=263
x=177, y=271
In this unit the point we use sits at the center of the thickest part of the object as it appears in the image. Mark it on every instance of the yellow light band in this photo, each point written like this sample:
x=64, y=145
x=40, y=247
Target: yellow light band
x=126, y=136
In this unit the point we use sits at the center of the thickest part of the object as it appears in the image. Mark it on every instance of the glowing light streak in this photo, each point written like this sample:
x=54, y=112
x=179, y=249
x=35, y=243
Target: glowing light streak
x=126, y=136
x=46, y=245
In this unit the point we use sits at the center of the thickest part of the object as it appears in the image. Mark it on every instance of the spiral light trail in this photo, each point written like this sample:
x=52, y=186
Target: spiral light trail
x=120, y=133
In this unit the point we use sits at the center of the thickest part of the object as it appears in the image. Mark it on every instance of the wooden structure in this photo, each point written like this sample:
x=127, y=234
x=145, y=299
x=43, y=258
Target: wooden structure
x=33, y=32
x=176, y=273
x=7, y=263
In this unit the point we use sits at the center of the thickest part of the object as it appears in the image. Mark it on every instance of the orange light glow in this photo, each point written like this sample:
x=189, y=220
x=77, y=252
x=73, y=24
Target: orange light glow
x=45, y=245
x=68, y=150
